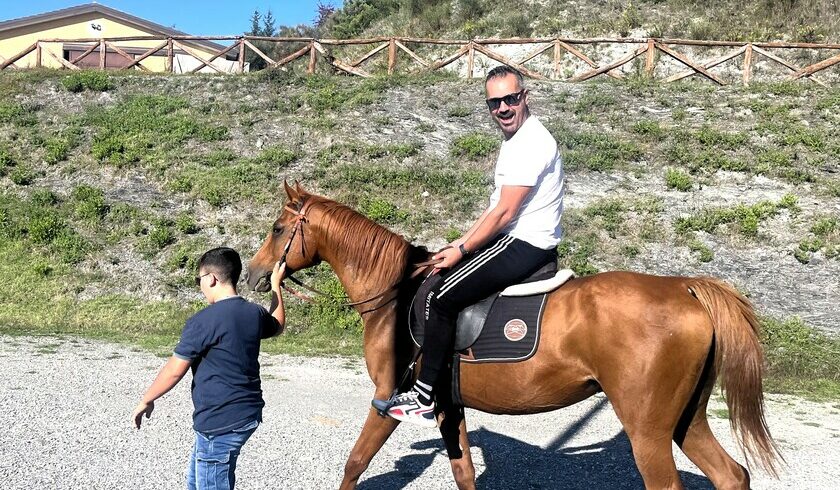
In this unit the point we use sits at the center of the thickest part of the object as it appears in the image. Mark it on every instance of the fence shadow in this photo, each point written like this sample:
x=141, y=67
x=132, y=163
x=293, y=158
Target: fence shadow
x=514, y=464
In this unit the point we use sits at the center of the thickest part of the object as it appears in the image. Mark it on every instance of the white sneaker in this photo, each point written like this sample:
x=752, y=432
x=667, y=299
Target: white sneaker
x=407, y=407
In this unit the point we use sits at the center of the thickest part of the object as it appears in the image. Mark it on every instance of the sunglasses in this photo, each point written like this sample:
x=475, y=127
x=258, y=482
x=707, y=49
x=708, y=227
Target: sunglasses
x=509, y=99
x=198, y=278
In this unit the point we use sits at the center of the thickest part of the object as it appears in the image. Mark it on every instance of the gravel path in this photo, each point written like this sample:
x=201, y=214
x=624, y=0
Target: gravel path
x=66, y=407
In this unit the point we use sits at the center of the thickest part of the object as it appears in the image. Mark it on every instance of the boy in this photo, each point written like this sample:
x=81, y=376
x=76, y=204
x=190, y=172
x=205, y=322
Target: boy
x=221, y=344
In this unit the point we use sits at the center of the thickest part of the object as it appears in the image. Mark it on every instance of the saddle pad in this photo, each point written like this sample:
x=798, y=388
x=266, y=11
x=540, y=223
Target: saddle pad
x=511, y=332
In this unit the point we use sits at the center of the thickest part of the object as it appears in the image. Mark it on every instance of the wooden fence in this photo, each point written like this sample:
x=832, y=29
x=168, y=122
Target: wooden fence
x=395, y=47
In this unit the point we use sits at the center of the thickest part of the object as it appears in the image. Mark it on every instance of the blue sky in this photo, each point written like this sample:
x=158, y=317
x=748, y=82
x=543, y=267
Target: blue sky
x=196, y=17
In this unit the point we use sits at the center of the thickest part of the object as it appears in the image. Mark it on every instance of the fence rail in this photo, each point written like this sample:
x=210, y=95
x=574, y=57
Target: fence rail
x=395, y=47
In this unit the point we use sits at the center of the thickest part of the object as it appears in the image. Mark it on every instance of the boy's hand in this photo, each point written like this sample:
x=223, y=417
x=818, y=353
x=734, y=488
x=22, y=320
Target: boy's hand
x=139, y=410
x=277, y=276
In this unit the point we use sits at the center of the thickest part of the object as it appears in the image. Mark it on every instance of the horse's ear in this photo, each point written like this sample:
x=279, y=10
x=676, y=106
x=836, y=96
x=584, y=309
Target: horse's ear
x=292, y=193
x=299, y=189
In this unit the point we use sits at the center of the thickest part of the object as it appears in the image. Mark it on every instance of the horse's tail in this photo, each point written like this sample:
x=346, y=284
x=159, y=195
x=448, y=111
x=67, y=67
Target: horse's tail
x=739, y=363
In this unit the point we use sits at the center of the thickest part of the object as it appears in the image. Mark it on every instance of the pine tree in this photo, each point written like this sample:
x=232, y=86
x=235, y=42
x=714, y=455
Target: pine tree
x=255, y=24
x=269, y=28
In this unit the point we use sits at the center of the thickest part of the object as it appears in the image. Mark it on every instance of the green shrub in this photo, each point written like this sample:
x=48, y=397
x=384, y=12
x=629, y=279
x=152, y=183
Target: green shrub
x=70, y=247
x=382, y=211
x=89, y=203
x=6, y=159
x=56, y=151
x=825, y=226
x=278, y=155
x=44, y=225
x=746, y=217
x=159, y=237
x=186, y=224
x=474, y=145
x=677, y=179
x=22, y=175
x=576, y=254
x=611, y=212
x=92, y=80
x=459, y=111
x=43, y=198
x=17, y=114
x=704, y=252
x=798, y=355
x=648, y=128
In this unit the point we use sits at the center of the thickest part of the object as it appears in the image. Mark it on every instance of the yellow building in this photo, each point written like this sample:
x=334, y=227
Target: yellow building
x=94, y=21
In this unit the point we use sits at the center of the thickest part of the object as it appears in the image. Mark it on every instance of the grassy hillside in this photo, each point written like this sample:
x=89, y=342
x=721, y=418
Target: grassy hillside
x=759, y=20
x=112, y=185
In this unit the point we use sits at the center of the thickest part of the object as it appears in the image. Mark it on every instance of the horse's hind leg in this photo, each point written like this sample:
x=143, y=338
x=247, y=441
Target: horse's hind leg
x=453, y=428
x=701, y=447
x=695, y=438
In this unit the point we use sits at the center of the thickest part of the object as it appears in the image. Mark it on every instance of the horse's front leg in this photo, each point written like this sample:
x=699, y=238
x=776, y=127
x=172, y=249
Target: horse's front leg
x=375, y=432
x=453, y=428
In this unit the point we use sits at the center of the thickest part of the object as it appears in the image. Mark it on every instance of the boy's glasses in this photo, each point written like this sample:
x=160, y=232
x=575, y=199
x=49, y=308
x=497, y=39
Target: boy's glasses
x=509, y=99
x=198, y=278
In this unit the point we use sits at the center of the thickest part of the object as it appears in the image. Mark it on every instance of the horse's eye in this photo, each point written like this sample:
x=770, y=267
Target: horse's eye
x=278, y=229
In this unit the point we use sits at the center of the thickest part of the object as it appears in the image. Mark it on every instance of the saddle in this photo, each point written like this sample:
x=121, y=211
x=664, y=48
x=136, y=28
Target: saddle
x=504, y=327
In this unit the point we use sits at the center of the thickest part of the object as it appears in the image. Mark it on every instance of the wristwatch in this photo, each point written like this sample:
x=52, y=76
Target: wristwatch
x=463, y=250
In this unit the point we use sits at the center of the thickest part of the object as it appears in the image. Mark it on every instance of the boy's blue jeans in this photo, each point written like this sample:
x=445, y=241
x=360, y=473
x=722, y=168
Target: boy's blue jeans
x=213, y=460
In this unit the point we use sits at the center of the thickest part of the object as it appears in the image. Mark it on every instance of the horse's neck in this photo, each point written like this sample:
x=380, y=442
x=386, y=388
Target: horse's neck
x=364, y=273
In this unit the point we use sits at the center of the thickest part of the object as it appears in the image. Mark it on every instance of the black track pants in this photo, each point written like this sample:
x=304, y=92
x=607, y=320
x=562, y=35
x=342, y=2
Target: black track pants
x=500, y=263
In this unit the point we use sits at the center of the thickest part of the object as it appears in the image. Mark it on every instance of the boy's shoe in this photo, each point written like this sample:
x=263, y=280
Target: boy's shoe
x=407, y=407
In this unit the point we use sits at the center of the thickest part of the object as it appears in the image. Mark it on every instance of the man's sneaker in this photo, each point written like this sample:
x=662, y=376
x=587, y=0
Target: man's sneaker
x=407, y=407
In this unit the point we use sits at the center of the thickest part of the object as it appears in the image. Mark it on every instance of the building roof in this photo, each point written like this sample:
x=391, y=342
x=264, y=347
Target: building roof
x=106, y=11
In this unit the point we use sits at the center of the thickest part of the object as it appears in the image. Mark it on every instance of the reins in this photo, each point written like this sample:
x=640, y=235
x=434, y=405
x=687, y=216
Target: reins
x=419, y=268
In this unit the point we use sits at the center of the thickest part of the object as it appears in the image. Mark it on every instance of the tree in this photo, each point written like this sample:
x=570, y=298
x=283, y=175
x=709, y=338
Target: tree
x=255, y=24
x=269, y=25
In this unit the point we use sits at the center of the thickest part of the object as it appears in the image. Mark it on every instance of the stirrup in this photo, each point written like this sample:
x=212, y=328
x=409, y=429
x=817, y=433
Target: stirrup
x=382, y=406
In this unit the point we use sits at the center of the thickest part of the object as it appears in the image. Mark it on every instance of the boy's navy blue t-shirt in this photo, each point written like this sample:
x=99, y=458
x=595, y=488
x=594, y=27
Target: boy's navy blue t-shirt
x=223, y=343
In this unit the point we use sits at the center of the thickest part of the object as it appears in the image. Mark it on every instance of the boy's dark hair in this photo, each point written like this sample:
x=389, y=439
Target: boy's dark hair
x=224, y=262
x=504, y=70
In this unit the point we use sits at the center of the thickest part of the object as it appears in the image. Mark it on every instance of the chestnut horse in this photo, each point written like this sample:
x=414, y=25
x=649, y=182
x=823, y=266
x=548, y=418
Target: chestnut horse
x=654, y=345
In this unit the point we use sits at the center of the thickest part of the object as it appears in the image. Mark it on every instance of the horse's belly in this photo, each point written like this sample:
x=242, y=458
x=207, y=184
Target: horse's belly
x=531, y=386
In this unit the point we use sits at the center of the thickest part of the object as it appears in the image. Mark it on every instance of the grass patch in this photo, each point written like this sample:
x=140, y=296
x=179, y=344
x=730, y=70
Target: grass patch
x=221, y=179
x=677, y=179
x=91, y=80
x=134, y=129
x=595, y=151
x=800, y=359
x=746, y=218
x=474, y=145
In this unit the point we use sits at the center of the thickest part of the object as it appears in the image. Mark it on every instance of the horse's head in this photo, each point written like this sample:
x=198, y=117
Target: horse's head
x=289, y=235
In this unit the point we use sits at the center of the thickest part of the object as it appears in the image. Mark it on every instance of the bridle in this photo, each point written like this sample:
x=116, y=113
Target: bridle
x=300, y=220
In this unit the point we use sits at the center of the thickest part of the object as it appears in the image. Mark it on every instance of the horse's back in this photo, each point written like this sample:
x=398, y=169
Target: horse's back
x=617, y=314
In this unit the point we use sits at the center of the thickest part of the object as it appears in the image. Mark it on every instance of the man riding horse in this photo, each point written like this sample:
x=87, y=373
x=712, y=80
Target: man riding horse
x=516, y=235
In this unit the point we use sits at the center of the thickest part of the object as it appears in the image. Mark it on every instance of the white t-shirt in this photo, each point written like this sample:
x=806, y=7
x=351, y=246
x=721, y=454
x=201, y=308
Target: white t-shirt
x=531, y=158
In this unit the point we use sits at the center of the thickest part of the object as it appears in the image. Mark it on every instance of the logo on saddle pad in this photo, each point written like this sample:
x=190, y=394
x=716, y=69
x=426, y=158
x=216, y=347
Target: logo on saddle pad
x=515, y=330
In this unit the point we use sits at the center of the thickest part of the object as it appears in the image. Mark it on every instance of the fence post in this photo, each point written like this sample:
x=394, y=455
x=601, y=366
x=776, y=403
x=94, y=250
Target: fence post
x=312, y=58
x=392, y=56
x=748, y=64
x=650, y=58
x=38, y=55
x=170, y=56
x=558, y=53
x=470, y=60
x=101, y=54
x=241, y=58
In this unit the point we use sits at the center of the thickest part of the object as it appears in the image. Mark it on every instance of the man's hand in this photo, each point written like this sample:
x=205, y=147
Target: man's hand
x=141, y=409
x=450, y=256
x=277, y=276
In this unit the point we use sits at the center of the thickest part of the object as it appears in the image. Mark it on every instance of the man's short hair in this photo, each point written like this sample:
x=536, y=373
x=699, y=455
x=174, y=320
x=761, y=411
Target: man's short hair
x=224, y=262
x=503, y=71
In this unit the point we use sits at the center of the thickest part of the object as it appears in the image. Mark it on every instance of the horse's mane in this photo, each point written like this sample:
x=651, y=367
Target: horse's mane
x=355, y=239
